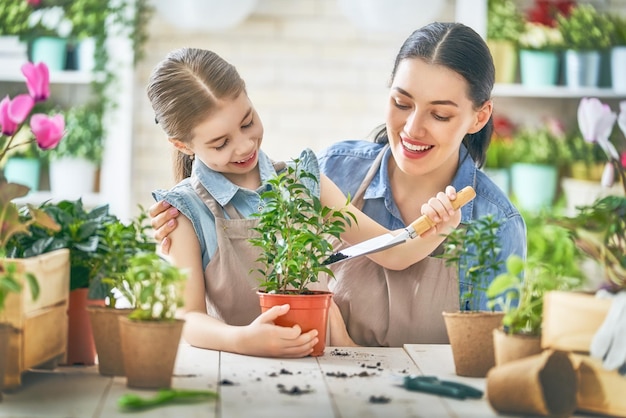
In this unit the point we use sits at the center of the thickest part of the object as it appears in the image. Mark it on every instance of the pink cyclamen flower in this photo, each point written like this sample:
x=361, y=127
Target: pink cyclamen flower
x=14, y=112
x=48, y=130
x=596, y=120
x=33, y=2
x=37, y=80
x=621, y=118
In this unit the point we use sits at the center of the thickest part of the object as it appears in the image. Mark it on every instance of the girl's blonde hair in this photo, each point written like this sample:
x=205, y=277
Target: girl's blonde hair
x=184, y=89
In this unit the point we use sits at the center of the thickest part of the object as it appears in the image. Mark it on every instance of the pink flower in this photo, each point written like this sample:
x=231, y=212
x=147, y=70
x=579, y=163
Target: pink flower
x=48, y=131
x=596, y=120
x=33, y=3
x=14, y=112
x=37, y=80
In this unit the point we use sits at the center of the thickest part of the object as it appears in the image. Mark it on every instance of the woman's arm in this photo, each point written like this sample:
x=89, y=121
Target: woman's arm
x=439, y=209
x=260, y=338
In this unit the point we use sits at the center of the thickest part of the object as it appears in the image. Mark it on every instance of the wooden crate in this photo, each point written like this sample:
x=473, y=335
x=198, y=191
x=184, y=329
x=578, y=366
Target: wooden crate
x=39, y=335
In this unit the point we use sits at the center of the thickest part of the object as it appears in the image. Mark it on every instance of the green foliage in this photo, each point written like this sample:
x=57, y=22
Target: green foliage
x=519, y=293
x=585, y=28
x=10, y=282
x=599, y=230
x=14, y=17
x=499, y=153
x=504, y=21
x=474, y=248
x=294, y=231
x=153, y=286
x=618, y=37
x=99, y=243
x=537, y=146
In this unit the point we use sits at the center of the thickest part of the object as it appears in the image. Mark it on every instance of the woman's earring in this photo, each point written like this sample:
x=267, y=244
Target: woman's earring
x=192, y=156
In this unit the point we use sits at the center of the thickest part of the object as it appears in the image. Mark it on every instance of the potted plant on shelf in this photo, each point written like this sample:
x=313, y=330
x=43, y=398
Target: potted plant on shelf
x=27, y=317
x=294, y=231
x=474, y=249
x=540, y=52
x=504, y=25
x=74, y=163
x=536, y=156
x=118, y=242
x=151, y=333
x=586, y=35
x=498, y=159
x=618, y=52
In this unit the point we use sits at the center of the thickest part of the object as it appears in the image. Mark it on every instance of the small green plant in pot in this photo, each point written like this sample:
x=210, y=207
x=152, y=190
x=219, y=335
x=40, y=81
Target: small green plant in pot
x=519, y=293
x=151, y=333
x=474, y=248
x=294, y=238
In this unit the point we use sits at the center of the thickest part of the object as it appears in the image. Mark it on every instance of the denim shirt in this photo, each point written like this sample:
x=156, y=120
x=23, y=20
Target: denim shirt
x=347, y=162
x=247, y=202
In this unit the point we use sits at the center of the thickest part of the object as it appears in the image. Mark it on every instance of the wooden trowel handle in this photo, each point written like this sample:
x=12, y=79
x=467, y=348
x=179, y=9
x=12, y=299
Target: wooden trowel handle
x=423, y=223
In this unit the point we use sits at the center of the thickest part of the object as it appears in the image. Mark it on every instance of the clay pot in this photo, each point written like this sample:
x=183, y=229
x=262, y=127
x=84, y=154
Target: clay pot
x=310, y=311
x=471, y=340
x=149, y=350
x=106, y=335
x=543, y=384
x=81, y=348
x=510, y=347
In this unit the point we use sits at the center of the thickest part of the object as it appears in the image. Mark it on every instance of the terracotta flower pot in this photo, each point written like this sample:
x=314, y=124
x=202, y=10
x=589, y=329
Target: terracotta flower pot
x=149, y=350
x=81, y=348
x=471, y=340
x=106, y=335
x=510, y=347
x=310, y=311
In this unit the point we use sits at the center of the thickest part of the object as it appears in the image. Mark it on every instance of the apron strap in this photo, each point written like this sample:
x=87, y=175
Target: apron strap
x=357, y=200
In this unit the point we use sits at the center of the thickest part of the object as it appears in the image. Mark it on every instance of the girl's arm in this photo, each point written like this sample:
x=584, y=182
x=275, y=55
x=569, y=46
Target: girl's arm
x=439, y=210
x=260, y=338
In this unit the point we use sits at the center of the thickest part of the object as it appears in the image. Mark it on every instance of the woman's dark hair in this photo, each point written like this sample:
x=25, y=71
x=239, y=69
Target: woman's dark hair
x=462, y=50
x=184, y=89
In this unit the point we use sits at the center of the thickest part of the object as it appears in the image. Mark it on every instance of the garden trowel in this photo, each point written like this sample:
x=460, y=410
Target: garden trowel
x=382, y=242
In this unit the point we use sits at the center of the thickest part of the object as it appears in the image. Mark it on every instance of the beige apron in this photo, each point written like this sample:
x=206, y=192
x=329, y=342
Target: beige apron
x=229, y=283
x=389, y=308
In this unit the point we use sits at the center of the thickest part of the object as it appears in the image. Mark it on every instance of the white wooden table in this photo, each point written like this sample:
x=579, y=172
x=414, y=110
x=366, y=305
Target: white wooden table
x=339, y=384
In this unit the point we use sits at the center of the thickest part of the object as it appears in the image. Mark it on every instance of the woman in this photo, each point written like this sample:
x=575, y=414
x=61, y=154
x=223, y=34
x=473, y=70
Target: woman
x=201, y=103
x=437, y=129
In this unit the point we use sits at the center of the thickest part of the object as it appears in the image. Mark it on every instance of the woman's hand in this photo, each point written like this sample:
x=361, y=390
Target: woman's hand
x=440, y=210
x=163, y=221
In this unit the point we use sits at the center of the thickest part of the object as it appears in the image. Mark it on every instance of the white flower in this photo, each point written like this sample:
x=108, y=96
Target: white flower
x=538, y=36
x=51, y=18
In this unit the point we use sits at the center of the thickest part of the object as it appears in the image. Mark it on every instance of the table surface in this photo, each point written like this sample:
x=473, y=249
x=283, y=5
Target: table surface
x=337, y=384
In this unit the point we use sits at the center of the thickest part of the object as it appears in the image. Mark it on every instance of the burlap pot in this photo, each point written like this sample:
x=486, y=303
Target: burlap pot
x=149, y=349
x=543, y=384
x=106, y=335
x=509, y=347
x=471, y=340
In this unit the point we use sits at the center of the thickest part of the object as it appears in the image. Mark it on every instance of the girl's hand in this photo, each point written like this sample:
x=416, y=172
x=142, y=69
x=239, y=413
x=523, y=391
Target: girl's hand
x=439, y=209
x=263, y=338
x=163, y=221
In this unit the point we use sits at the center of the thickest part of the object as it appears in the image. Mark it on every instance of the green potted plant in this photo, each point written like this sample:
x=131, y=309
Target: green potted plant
x=586, y=35
x=519, y=293
x=618, y=52
x=540, y=52
x=151, y=333
x=74, y=163
x=294, y=233
x=117, y=244
x=504, y=25
x=536, y=156
x=474, y=249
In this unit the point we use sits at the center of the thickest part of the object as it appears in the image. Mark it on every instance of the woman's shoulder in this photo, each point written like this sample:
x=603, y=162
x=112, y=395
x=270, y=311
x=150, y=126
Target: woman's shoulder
x=492, y=199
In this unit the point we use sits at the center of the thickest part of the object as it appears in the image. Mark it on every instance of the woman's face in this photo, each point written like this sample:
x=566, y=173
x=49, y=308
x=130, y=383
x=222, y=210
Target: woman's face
x=228, y=141
x=428, y=115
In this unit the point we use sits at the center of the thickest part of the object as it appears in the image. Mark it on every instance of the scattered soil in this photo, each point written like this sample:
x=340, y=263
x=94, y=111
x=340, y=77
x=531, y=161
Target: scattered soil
x=379, y=399
x=295, y=390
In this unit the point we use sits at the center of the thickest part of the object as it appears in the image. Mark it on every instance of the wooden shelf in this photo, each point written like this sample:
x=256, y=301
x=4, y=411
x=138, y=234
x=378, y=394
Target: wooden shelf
x=555, y=92
x=56, y=77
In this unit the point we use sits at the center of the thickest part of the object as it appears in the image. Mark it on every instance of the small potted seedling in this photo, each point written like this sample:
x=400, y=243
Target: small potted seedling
x=294, y=238
x=474, y=248
x=151, y=333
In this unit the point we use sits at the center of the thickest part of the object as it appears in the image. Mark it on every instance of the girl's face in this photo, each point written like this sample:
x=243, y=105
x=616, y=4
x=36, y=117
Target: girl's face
x=428, y=114
x=228, y=141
